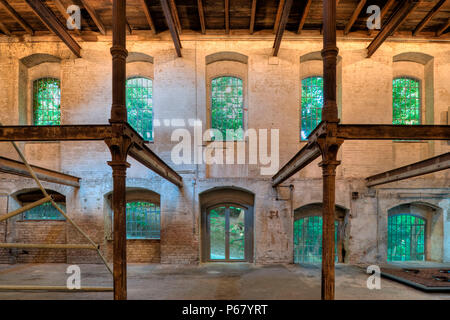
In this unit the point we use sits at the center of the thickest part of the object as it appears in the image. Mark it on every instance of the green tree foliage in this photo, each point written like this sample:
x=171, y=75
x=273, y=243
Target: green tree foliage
x=406, y=101
x=46, y=102
x=139, y=97
x=227, y=106
x=406, y=238
x=312, y=104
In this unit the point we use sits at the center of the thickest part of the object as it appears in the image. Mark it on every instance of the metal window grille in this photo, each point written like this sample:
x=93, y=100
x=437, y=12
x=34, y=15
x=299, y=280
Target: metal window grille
x=312, y=103
x=139, y=97
x=406, y=238
x=308, y=240
x=143, y=220
x=47, y=102
x=406, y=101
x=227, y=107
x=44, y=212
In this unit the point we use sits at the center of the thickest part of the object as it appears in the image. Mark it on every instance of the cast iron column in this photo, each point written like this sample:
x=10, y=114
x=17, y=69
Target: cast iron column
x=119, y=145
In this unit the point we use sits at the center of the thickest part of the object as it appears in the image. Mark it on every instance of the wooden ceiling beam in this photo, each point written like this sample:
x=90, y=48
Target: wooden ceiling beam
x=354, y=16
x=148, y=15
x=62, y=9
x=304, y=15
x=227, y=16
x=253, y=17
x=401, y=12
x=428, y=17
x=443, y=28
x=278, y=16
x=4, y=29
x=282, y=26
x=94, y=16
x=176, y=18
x=53, y=24
x=172, y=28
x=201, y=15
x=13, y=13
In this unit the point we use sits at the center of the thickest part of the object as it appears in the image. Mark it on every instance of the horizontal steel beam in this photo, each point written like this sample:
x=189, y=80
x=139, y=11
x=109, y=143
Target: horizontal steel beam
x=47, y=246
x=55, y=133
x=305, y=156
x=393, y=132
x=438, y=163
x=18, y=168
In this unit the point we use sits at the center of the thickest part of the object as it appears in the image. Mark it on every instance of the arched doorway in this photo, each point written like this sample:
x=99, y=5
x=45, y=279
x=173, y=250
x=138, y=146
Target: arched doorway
x=227, y=225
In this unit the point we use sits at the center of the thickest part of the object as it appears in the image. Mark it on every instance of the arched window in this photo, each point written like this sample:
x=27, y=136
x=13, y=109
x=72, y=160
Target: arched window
x=46, y=102
x=45, y=211
x=308, y=240
x=312, y=103
x=406, y=238
x=405, y=101
x=227, y=107
x=143, y=220
x=139, y=92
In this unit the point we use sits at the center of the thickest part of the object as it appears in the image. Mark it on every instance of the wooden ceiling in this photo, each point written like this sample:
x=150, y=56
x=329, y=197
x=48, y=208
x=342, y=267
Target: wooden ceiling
x=424, y=18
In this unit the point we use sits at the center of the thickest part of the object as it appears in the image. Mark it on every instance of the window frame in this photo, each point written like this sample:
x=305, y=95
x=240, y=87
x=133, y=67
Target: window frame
x=313, y=75
x=33, y=101
x=137, y=76
x=420, y=82
x=146, y=201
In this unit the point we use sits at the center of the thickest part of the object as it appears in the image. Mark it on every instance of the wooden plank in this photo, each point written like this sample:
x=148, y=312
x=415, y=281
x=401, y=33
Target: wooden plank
x=55, y=133
x=148, y=15
x=53, y=24
x=399, y=15
x=434, y=164
x=354, y=16
x=253, y=17
x=384, y=11
x=304, y=16
x=305, y=156
x=176, y=18
x=63, y=10
x=94, y=16
x=46, y=246
x=282, y=26
x=13, y=13
x=172, y=28
x=227, y=16
x=393, y=132
x=276, y=25
x=4, y=29
x=18, y=168
x=442, y=29
x=428, y=17
x=201, y=15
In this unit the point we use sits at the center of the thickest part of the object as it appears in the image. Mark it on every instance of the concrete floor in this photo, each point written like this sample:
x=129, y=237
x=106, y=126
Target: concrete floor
x=207, y=281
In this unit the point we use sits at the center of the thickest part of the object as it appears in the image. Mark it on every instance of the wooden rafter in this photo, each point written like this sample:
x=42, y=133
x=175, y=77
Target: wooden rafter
x=434, y=164
x=428, y=17
x=393, y=132
x=227, y=16
x=354, y=16
x=399, y=15
x=63, y=10
x=13, y=13
x=176, y=18
x=443, y=28
x=94, y=16
x=278, y=16
x=384, y=11
x=201, y=15
x=4, y=29
x=304, y=15
x=172, y=28
x=53, y=24
x=282, y=26
x=253, y=17
x=148, y=15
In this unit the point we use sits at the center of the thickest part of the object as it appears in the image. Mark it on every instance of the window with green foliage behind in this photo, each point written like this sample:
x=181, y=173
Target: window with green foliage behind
x=139, y=92
x=406, y=101
x=308, y=240
x=45, y=211
x=227, y=107
x=312, y=103
x=143, y=220
x=46, y=102
x=406, y=238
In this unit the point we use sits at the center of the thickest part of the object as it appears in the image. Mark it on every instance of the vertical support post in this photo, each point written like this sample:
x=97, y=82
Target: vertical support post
x=329, y=146
x=119, y=145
